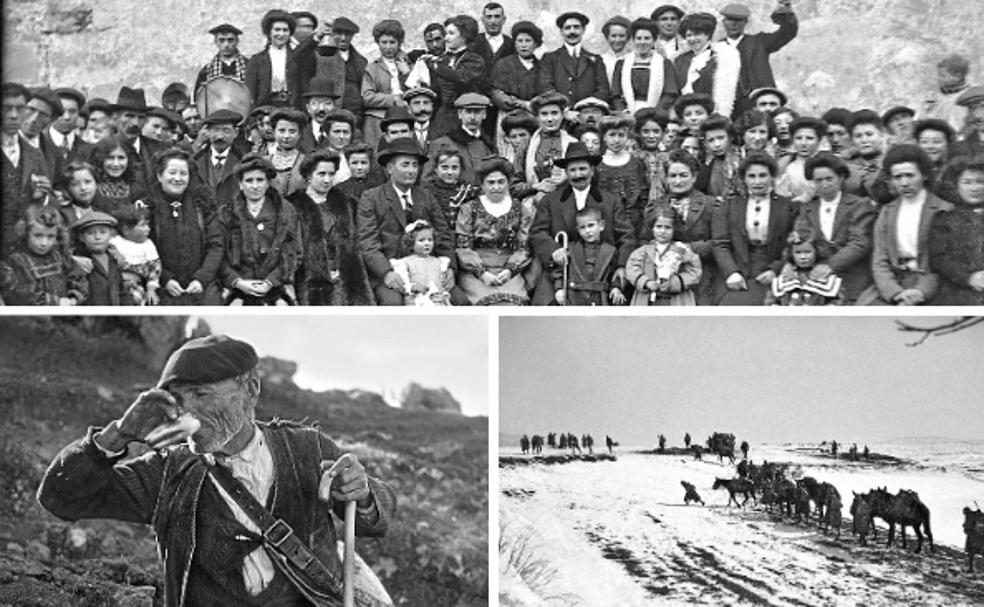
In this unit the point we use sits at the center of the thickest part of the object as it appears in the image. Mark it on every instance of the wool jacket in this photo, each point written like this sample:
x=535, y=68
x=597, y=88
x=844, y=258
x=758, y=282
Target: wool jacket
x=584, y=288
x=731, y=244
x=106, y=284
x=472, y=149
x=469, y=74
x=956, y=250
x=246, y=256
x=512, y=83
x=578, y=80
x=718, y=78
x=164, y=490
x=556, y=213
x=224, y=185
x=191, y=245
x=756, y=71
x=299, y=71
x=848, y=252
x=330, y=242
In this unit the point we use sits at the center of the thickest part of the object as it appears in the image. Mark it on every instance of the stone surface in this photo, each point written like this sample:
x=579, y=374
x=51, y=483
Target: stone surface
x=853, y=53
x=418, y=398
x=276, y=370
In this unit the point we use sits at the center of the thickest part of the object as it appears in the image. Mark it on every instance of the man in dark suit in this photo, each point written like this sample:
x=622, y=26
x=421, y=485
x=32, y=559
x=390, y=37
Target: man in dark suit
x=492, y=45
x=556, y=213
x=43, y=108
x=756, y=71
x=342, y=32
x=570, y=69
x=216, y=162
x=420, y=102
x=130, y=114
x=320, y=99
x=63, y=133
x=24, y=179
x=384, y=212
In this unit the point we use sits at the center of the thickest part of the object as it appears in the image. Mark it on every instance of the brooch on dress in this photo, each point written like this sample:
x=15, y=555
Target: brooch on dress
x=175, y=207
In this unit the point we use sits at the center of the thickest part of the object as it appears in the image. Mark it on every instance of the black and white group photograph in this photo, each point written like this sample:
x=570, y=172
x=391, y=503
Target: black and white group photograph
x=699, y=172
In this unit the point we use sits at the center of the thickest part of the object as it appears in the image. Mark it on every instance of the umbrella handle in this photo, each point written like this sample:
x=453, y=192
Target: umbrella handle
x=348, y=567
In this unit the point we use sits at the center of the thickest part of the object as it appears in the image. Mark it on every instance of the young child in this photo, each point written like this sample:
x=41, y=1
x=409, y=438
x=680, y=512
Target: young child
x=620, y=173
x=359, y=157
x=140, y=264
x=93, y=233
x=446, y=184
x=428, y=279
x=794, y=287
x=40, y=272
x=719, y=175
x=591, y=267
x=664, y=272
x=80, y=193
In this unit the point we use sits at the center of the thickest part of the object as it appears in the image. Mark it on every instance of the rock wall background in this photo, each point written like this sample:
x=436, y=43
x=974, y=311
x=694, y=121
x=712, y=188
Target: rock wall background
x=854, y=53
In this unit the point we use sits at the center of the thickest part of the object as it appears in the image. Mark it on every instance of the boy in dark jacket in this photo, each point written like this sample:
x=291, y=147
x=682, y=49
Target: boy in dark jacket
x=591, y=267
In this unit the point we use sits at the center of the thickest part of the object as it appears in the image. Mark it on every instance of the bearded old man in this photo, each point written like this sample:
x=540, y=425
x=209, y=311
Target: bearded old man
x=241, y=508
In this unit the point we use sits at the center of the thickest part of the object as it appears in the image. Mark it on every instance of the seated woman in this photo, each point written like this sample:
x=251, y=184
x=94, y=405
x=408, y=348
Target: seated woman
x=693, y=217
x=708, y=67
x=262, y=239
x=493, y=240
x=935, y=137
x=644, y=78
x=900, y=262
x=187, y=232
x=956, y=242
x=331, y=271
x=749, y=233
x=117, y=180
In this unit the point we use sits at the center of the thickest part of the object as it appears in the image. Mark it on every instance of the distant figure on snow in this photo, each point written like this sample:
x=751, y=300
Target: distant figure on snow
x=662, y=443
x=686, y=440
x=697, y=452
x=524, y=444
x=833, y=448
x=691, y=495
x=744, y=449
x=610, y=443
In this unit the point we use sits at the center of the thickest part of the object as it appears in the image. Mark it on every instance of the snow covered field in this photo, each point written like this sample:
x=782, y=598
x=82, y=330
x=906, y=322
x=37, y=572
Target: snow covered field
x=618, y=533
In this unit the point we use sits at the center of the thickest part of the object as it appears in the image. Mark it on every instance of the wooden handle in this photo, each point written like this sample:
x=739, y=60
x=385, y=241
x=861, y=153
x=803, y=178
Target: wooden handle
x=348, y=567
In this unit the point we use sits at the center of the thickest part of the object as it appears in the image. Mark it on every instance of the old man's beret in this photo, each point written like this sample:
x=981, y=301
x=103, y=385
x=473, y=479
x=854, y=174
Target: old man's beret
x=207, y=360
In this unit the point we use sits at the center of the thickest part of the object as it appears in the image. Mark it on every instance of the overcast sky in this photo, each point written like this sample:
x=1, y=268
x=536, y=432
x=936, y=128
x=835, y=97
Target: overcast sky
x=378, y=353
x=765, y=379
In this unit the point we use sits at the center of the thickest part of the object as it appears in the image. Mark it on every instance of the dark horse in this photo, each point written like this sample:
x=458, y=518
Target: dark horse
x=974, y=528
x=734, y=487
x=904, y=509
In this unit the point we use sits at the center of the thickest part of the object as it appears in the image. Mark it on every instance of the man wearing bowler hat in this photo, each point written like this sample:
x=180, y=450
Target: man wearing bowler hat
x=571, y=70
x=320, y=99
x=343, y=30
x=216, y=162
x=468, y=137
x=556, y=213
x=212, y=467
x=669, y=42
x=130, y=115
x=756, y=71
x=228, y=62
x=384, y=213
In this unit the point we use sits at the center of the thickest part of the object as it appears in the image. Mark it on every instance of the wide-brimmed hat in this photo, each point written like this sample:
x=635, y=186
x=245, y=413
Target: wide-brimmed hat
x=322, y=86
x=572, y=15
x=401, y=146
x=394, y=114
x=130, y=99
x=577, y=151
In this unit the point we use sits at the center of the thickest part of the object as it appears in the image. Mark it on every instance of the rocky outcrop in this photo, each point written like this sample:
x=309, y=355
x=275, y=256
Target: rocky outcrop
x=418, y=398
x=276, y=370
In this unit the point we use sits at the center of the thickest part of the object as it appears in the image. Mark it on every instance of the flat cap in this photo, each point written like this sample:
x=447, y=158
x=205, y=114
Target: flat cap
x=472, y=100
x=666, y=8
x=419, y=91
x=344, y=24
x=563, y=18
x=207, y=360
x=593, y=102
x=971, y=96
x=224, y=117
x=736, y=11
x=897, y=111
x=768, y=90
x=226, y=28
x=94, y=218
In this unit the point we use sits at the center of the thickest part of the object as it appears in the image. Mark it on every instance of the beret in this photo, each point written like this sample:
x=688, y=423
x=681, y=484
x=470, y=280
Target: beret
x=736, y=11
x=224, y=117
x=472, y=100
x=207, y=360
x=94, y=218
x=226, y=28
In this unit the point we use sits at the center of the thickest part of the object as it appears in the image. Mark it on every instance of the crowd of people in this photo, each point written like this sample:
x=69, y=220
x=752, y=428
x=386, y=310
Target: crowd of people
x=481, y=170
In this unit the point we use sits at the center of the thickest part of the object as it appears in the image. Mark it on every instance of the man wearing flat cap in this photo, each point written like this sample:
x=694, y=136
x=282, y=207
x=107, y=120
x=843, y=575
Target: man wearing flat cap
x=241, y=508
x=343, y=30
x=228, y=62
x=420, y=102
x=571, y=70
x=468, y=137
x=973, y=131
x=755, y=49
x=216, y=162
x=669, y=42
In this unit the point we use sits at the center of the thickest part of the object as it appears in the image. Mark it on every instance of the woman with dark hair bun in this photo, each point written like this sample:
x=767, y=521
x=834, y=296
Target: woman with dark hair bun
x=900, y=262
x=458, y=71
x=187, y=232
x=644, y=78
x=749, y=233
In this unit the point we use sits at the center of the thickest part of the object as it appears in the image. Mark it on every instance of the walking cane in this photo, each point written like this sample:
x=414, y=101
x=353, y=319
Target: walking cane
x=348, y=567
x=561, y=239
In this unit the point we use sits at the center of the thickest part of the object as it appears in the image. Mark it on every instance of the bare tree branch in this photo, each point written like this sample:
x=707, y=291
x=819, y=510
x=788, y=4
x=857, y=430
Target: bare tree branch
x=958, y=324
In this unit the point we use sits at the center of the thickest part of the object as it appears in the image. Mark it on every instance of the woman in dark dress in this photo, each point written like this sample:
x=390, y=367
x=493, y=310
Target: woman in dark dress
x=956, y=242
x=749, y=233
x=331, y=271
x=119, y=183
x=651, y=80
x=458, y=71
x=187, y=232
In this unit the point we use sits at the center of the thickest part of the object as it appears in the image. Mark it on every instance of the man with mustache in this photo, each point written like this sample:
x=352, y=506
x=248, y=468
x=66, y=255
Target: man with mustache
x=130, y=115
x=420, y=101
x=557, y=211
x=217, y=160
x=467, y=137
x=973, y=130
x=571, y=70
x=342, y=32
x=319, y=101
x=212, y=468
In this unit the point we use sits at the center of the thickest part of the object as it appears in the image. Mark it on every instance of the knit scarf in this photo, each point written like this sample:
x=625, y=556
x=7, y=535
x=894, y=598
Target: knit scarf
x=214, y=69
x=656, y=77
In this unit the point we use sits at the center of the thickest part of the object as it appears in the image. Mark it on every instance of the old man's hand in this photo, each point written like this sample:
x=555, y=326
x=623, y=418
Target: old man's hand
x=345, y=480
x=152, y=410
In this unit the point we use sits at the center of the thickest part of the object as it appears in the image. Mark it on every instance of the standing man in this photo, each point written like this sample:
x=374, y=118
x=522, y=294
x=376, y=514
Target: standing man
x=24, y=177
x=756, y=71
x=242, y=509
x=43, y=108
x=343, y=30
x=492, y=45
x=320, y=100
x=973, y=131
x=130, y=115
x=468, y=137
x=571, y=70
x=217, y=161
x=669, y=43
x=384, y=213
x=228, y=62
x=63, y=133
x=305, y=26
x=420, y=103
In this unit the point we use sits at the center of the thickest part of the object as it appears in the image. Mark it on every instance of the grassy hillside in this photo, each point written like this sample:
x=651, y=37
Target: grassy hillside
x=57, y=379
